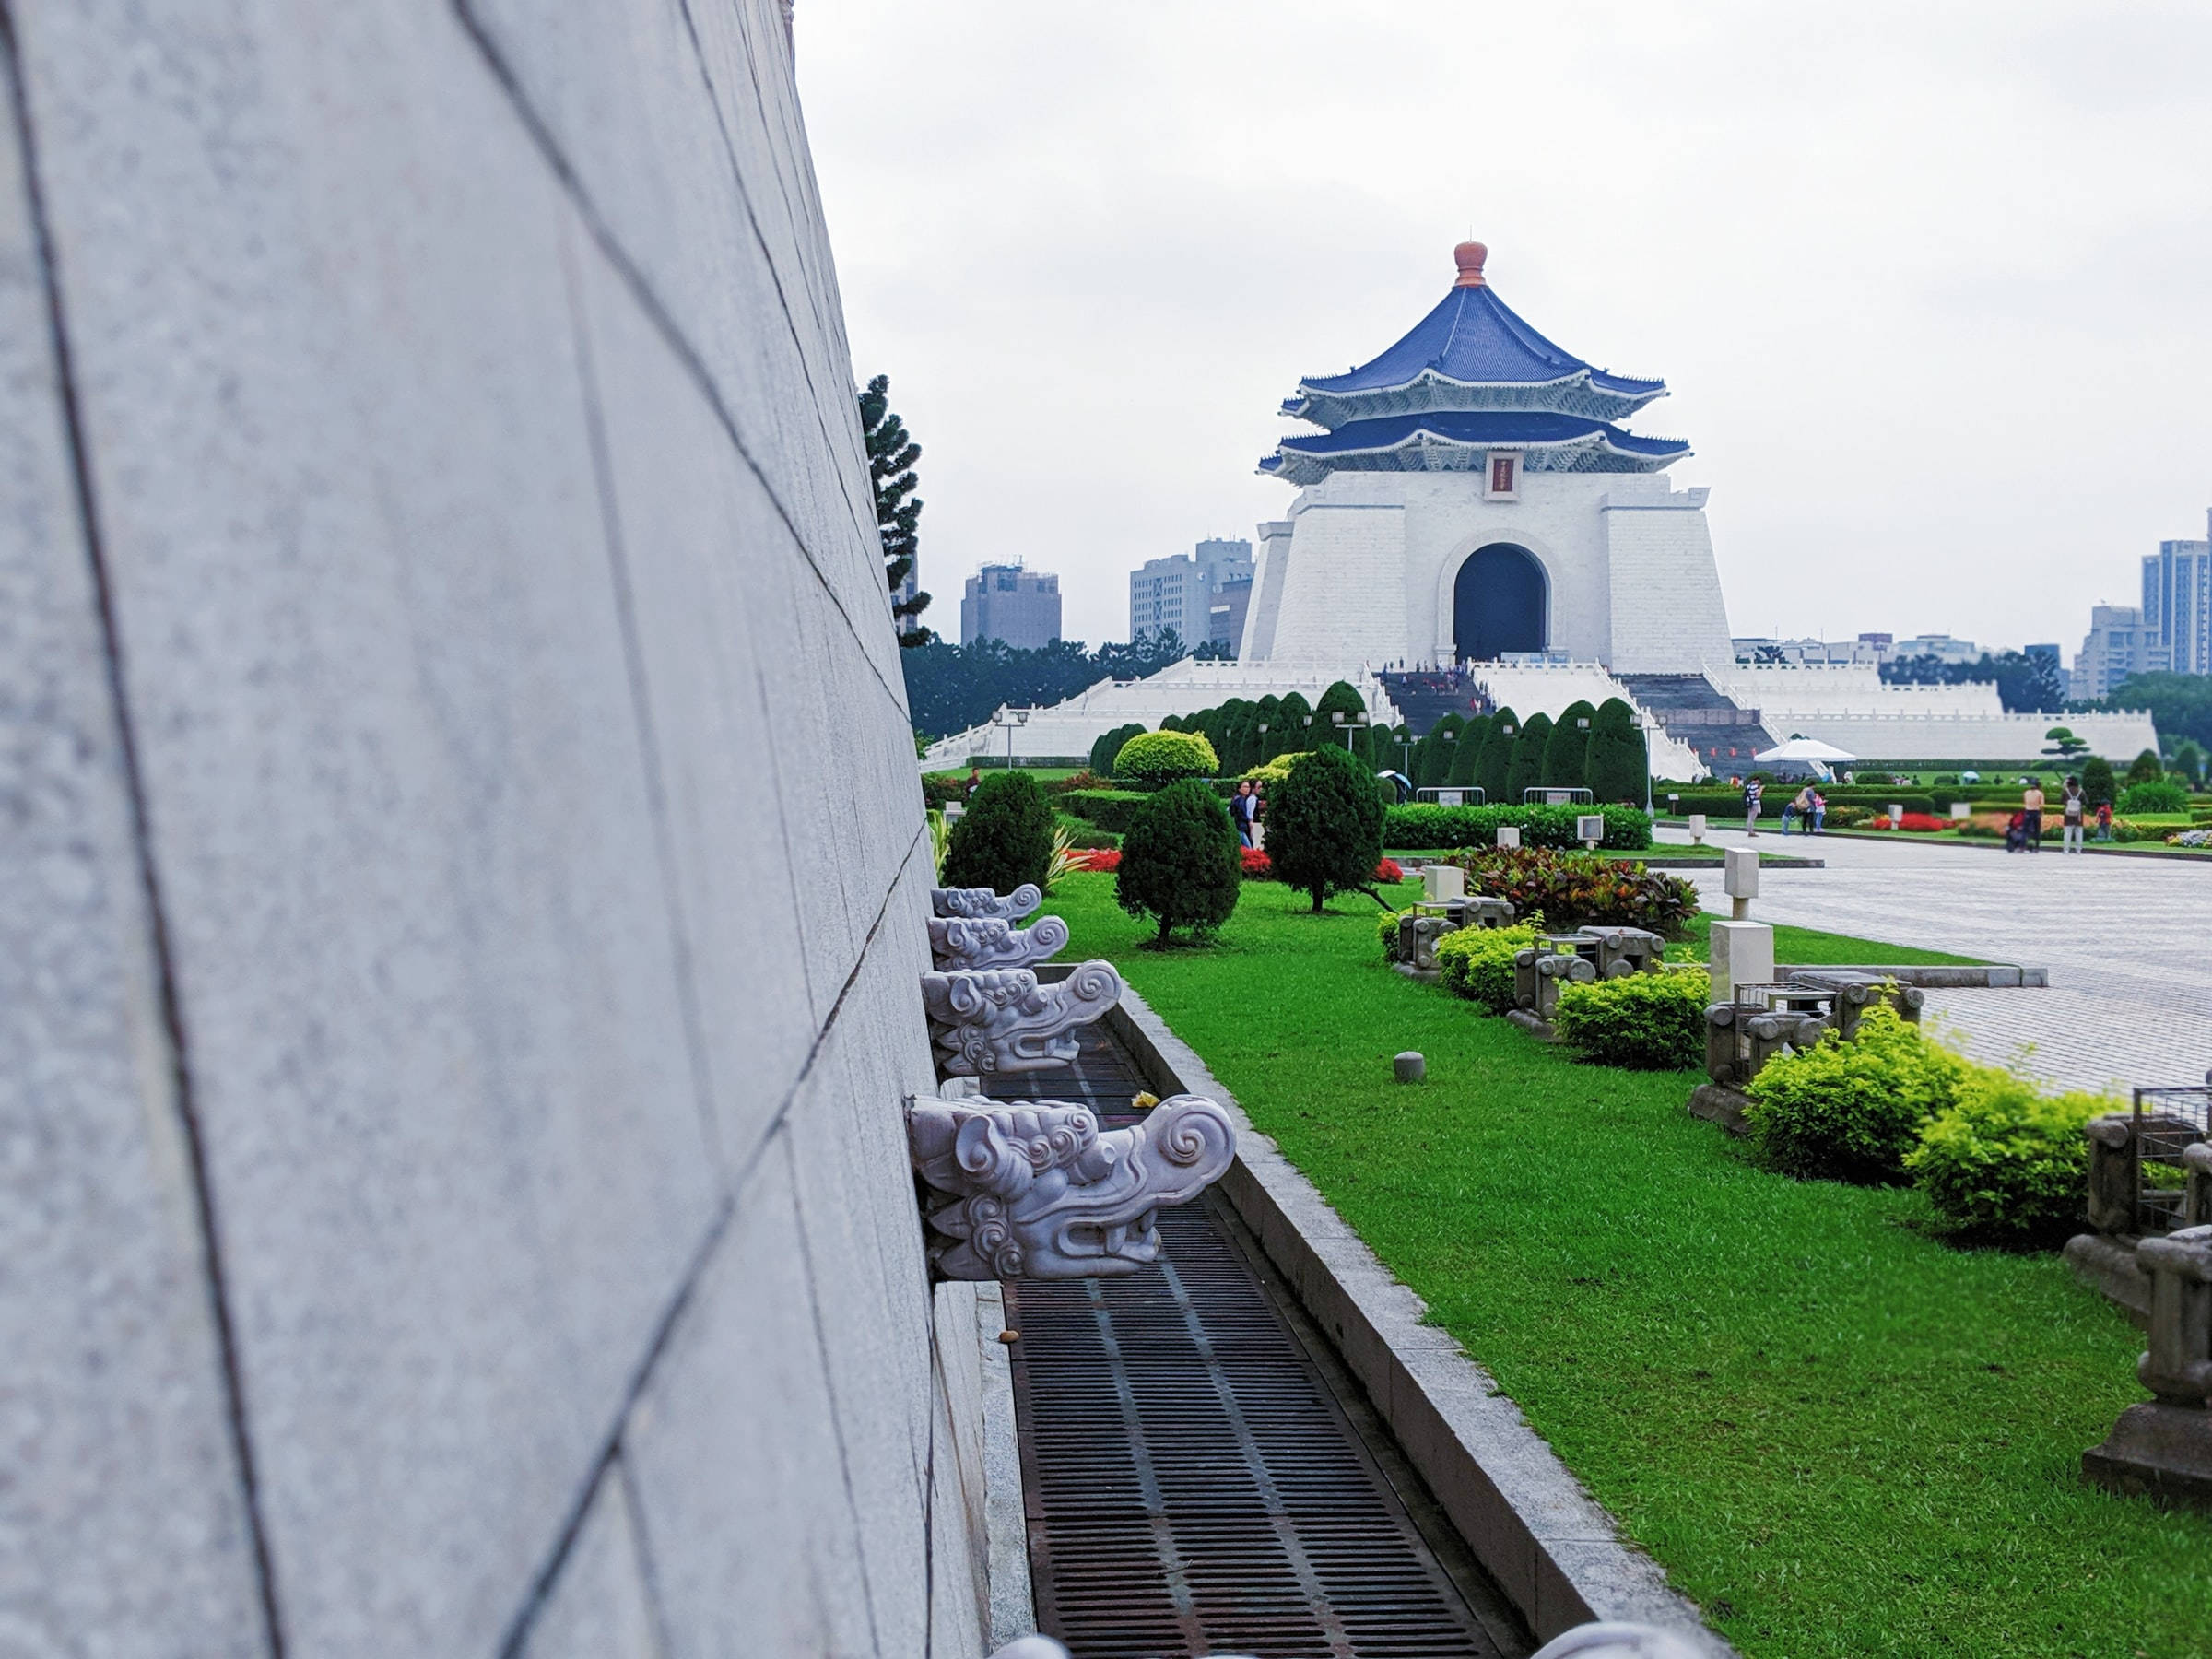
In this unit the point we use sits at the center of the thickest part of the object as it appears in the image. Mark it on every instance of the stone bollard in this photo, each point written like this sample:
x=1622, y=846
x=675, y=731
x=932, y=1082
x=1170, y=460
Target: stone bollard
x=2162, y=1448
x=1897, y=814
x=1508, y=835
x=1697, y=828
x=2115, y=1172
x=1442, y=882
x=1408, y=1067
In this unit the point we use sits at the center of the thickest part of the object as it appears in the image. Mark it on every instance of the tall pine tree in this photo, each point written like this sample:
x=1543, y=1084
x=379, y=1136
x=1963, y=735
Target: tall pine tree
x=891, y=457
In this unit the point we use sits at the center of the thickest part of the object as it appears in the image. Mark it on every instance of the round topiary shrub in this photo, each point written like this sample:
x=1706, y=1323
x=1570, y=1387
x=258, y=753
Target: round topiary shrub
x=1325, y=825
x=1005, y=838
x=2097, y=784
x=2007, y=1163
x=1852, y=1111
x=2161, y=795
x=1161, y=758
x=1181, y=862
x=1640, y=1022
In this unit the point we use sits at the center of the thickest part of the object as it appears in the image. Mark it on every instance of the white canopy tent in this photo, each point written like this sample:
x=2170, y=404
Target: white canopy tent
x=1821, y=757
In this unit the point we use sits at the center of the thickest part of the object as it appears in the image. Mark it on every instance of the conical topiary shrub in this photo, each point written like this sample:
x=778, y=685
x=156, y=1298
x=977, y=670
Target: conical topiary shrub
x=1527, y=769
x=1617, y=762
x=1496, y=765
x=1566, y=751
x=1325, y=825
x=1180, y=863
x=1005, y=838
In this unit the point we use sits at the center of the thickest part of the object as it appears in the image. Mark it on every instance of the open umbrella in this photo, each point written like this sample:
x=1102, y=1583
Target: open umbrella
x=1810, y=751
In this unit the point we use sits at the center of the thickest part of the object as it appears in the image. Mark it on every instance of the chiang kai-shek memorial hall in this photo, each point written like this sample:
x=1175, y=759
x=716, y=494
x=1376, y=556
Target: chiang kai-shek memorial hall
x=1472, y=494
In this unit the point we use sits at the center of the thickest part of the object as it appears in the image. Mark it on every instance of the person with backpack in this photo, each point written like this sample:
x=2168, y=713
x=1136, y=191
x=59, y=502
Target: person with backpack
x=2071, y=809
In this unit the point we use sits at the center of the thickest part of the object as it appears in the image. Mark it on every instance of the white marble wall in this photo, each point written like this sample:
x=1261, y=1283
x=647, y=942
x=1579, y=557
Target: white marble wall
x=458, y=971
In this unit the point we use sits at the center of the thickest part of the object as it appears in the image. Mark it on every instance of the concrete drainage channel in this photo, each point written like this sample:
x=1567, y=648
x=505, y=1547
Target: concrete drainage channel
x=1260, y=1448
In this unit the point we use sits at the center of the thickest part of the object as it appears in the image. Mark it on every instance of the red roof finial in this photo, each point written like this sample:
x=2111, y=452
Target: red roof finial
x=1468, y=256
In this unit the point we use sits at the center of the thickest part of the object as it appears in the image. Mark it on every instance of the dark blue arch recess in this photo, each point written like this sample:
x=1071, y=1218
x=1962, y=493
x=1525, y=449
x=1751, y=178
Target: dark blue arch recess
x=1498, y=603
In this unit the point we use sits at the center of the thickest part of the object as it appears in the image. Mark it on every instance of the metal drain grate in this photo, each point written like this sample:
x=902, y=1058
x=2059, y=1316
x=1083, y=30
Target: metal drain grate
x=1193, y=1485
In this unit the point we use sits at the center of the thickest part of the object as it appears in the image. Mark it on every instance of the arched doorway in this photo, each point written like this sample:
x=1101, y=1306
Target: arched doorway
x=1498, y=603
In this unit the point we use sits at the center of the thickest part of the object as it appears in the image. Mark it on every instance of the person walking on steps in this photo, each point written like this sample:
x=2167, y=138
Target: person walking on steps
x=2031, y=807
x=1752, y=790
x=2071, y=810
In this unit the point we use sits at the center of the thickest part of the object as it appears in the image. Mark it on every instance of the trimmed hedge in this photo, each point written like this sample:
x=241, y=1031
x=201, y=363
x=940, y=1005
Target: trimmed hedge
x=1478, y=962
x=1640, y=1022
x=1422, y=825
x=1853, y=1111
x=1109, y=809
x=2007, y=1163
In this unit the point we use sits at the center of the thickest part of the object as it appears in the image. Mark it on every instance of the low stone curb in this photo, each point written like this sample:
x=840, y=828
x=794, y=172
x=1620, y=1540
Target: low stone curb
x=1986, y=976
x=1552, y=1548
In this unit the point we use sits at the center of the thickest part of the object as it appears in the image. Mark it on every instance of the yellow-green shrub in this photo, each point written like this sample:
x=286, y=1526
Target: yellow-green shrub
x=1852, y=1111
x=1641, y=1021
x=2007, y=1162
x=1478, y=962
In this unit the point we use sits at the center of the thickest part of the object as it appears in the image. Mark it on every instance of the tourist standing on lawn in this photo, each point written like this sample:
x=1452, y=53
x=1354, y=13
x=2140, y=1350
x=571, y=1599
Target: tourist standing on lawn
x=2031, y=805
x=1820, y=809
x=2071, y=811
x=2104, y=820
x=1802, y=805
x=1753, y=790
x=1259, y=815
x=1241, y=809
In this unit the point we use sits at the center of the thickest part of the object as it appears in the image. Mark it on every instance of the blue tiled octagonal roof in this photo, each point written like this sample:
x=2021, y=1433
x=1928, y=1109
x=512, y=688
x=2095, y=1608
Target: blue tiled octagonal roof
x=1457, y=441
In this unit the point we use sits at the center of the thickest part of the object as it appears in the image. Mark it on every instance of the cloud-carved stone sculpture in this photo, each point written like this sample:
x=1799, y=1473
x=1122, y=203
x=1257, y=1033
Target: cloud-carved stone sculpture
x=1001, y=1019
x=977, y=904
x=992, y=942
x=1034, y=1189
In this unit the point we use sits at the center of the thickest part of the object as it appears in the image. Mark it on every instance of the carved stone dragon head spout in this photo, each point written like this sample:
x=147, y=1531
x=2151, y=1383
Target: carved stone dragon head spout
x=1036, y=1190
x=1001, y=1019
x=994, y=942
x=983, y=904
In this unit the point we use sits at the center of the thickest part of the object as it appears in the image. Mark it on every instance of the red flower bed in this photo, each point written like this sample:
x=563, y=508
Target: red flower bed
x=1100, y=858
x=1388, y=871
x=1921, y=823
x=1256, y=866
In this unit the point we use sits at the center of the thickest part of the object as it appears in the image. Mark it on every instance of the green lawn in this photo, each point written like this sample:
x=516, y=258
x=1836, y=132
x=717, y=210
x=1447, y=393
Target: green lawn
x=1840, y=1436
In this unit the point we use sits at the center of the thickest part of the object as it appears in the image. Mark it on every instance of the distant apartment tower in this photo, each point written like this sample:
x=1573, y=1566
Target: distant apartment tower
x=2118, y=645
x=1006, y=602
x=2177, y=604
x=1944, y=648
x=1201, y=594
x=908, y=585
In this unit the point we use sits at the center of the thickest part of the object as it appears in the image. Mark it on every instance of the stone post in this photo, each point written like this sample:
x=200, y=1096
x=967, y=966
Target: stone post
x=1742, y=954
x=1440, y=883
x=1740, y=878
x=1697, y=828
x=2163, y=1448
x=1508, y=835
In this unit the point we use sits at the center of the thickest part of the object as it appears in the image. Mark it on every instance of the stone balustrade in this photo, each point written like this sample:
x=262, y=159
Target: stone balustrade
x=2162, y=1448
x=1541, y=972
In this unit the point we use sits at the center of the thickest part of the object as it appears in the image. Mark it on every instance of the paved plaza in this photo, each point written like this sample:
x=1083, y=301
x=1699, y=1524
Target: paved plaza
x=2130, y=999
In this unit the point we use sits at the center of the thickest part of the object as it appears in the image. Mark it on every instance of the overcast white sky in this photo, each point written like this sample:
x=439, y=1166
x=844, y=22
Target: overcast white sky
x=1932, y=285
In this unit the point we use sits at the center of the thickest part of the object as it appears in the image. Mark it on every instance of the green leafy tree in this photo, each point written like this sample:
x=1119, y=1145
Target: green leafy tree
x=1180, y=863
x=1325, y=825
x=1005, y=838
x=1527, y=769
x=1618, y=764
x=2146, y=768
x=2098, y=788
x=1494, y=767
x=1466, y=754
x=1566, y=754
x=2180, y=704
x=891, y=457
x=2189, y=760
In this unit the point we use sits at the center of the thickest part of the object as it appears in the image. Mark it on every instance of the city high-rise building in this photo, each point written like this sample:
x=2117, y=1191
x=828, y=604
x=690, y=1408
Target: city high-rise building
x=1189, y=593
x=2177, y=604
x=1006, y=602
x=2118, y=644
